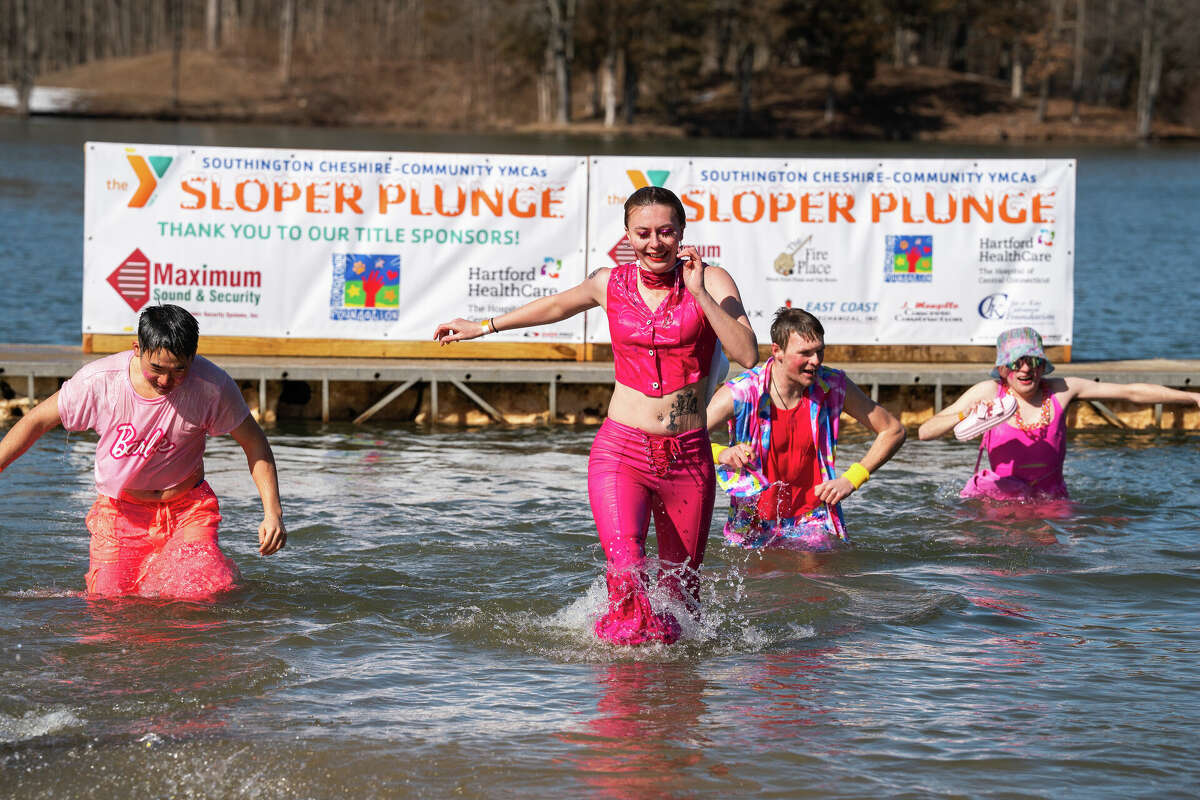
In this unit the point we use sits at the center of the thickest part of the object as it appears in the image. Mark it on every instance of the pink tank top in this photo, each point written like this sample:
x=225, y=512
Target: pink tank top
x=1035, y=457
x=662, y=350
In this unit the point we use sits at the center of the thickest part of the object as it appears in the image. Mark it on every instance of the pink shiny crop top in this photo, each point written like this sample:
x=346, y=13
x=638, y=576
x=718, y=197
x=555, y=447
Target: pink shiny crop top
x=662, y=350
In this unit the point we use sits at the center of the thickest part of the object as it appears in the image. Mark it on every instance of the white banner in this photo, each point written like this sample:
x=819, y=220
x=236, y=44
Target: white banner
x=883, y=252
x=334, y=245
x=353, y=245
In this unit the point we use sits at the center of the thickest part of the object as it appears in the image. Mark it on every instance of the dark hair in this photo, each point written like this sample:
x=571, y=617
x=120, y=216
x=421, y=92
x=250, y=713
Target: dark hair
x=169, y=328
x=797, y=321
x=655, y=196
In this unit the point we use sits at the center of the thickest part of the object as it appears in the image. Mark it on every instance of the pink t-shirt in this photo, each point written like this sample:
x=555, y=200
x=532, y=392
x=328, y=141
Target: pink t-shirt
x=149, y=444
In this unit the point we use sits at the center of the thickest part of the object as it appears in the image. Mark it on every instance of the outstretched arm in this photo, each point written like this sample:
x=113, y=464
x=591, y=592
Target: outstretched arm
x=718, y=297
x=944, y=421
x=271, y=534
x=889, y=436
x=542, y=311
x=31, y=427
x=1134, y=392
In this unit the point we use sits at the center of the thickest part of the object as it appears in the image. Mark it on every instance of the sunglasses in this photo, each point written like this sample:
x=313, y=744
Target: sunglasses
x=1031, y=361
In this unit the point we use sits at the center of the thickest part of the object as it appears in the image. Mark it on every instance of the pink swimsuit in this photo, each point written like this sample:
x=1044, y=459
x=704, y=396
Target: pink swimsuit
x=1026, y=465
x=633, y=474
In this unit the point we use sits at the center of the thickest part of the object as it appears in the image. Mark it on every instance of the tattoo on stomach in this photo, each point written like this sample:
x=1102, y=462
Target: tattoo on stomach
x=685, y=405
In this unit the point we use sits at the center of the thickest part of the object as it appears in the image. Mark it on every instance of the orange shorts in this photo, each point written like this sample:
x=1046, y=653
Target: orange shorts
x=159, y=549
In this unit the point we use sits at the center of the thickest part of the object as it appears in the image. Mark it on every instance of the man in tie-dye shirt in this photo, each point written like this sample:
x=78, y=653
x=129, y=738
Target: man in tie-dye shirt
x=779, y=469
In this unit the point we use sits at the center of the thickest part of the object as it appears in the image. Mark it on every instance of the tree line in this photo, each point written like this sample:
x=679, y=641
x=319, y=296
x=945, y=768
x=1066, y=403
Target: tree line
x=613, y=60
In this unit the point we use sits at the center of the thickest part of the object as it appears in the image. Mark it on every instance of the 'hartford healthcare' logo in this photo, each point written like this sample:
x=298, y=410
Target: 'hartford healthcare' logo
x=148, y=170
x=908, y=259
x=651, y=177
x=365, y=287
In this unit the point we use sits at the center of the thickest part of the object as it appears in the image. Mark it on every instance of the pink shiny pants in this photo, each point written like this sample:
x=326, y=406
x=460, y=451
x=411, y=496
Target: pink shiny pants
x=633, y=475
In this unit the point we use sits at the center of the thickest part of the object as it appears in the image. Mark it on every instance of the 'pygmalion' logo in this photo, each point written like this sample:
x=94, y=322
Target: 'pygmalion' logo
x=908, y=259
x=148, y=170
x=365, y=287
x=131, y=280
x=651, y=177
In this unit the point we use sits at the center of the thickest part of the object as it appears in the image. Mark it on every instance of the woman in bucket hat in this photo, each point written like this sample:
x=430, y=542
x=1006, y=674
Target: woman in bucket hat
x=1027, y=449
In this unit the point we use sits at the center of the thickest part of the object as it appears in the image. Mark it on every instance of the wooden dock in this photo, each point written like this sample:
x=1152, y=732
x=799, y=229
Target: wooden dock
x=545, y=392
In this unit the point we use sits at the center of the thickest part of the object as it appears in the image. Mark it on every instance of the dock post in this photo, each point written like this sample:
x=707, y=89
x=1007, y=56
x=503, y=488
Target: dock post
x=553, y=391
x=937, y=397
x=262, y=399
x=875, y=392
x=29, y=389
x=325, y=399
x=1158, y=415
x=433, y=400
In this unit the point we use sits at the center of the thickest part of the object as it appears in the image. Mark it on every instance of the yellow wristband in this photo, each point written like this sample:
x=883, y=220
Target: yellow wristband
x=857, y=474
x=487, y=326
x=717, y=449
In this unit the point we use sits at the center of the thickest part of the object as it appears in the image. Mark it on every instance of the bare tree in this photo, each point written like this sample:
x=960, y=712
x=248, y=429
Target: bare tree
x=287, y=35
x=212, y=24
x=560, y=52
x=1150, y=68
x=1078, y=57
x=25, y=33
x=1049, y=56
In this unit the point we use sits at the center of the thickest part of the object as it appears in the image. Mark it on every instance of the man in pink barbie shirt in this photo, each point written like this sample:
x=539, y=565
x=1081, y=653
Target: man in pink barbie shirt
x=154, y=524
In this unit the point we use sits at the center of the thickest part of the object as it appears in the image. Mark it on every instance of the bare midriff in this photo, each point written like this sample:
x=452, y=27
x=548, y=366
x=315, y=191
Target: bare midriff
x=674, y=413
x=162, y=495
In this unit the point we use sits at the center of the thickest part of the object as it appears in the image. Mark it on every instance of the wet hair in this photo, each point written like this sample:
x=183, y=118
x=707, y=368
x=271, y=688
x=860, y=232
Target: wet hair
x=797, y=321
x=169, y=328
x=655, y=196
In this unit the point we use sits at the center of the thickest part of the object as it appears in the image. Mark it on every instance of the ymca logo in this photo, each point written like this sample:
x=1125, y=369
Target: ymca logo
x=148, y=170
x=651, y=177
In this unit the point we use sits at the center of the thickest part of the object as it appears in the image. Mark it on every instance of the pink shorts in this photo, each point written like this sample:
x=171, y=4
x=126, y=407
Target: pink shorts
x=159, y=549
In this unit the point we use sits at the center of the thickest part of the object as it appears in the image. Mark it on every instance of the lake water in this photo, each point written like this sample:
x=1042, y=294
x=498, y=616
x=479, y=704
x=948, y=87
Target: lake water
x=427, y=631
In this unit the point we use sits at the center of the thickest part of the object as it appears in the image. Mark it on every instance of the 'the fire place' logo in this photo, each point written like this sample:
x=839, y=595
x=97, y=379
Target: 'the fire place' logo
x=131, y=280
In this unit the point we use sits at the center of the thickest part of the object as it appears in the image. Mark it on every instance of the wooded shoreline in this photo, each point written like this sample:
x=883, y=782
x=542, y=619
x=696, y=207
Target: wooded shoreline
x=1035, y=71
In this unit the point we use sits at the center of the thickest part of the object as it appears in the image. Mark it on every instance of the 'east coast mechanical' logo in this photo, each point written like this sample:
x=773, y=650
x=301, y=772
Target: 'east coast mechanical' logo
x=365, y=287
x=149, y=170
x=908, y=259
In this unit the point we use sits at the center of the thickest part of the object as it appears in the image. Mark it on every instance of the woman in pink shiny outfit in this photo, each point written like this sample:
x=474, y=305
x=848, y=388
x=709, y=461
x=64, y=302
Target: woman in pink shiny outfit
x=651, y=457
